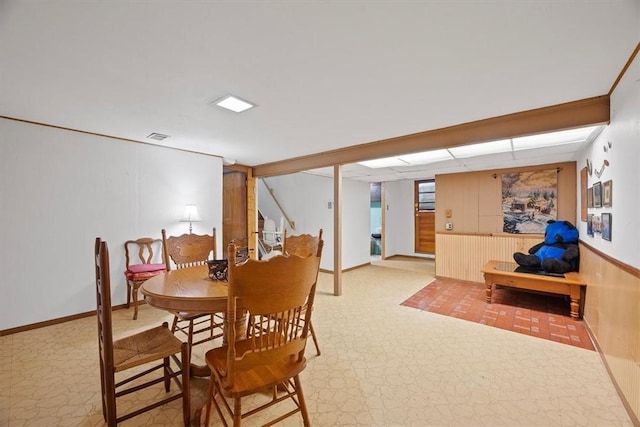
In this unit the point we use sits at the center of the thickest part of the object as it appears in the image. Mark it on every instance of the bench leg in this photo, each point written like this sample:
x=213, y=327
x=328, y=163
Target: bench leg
x=575, y=308
x=575, y=301
x=488, y=291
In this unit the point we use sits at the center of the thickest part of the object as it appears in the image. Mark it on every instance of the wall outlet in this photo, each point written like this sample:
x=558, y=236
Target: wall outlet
x=448, y=226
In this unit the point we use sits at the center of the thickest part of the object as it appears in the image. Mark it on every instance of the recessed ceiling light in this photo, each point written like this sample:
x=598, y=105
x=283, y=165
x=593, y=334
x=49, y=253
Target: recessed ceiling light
x=233, y=103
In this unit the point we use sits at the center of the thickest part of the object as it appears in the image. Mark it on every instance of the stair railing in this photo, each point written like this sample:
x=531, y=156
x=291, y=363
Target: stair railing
x=291, y=223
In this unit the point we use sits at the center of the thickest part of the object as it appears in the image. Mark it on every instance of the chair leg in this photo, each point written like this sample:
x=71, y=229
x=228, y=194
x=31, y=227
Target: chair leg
x=190, y=337
x=313, y=335
x=237, y=412
x=109, y=399
x=135, y=288
x=174, y=324
x=186, y=386
x=128, y=293
x=301, y=401
x=207, y=408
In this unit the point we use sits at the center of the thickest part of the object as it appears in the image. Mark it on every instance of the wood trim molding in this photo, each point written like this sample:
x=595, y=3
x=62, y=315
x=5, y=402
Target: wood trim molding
x=619, y=264
x=626, y=67
x=590, y=111
x=57, y=321
x=104, y=135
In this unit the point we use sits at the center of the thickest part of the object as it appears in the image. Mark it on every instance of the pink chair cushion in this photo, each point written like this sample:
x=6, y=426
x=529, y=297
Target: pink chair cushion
x=145, y=268
x=142, y=272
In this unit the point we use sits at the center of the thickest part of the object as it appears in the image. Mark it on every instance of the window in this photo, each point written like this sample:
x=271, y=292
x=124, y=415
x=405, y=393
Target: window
x=426, y=196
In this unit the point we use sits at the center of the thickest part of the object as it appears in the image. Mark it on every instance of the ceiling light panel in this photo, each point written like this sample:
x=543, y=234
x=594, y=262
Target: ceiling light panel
x=383, y=163
x=481, y=149
x=554, y=138
x=426, y=157
x=234, y=103
x=489, y=158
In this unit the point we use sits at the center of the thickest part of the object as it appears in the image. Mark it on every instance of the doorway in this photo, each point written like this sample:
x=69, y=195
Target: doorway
x=425, y=216
x=375, y=221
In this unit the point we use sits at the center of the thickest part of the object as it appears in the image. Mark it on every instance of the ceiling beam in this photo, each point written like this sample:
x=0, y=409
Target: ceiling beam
x=585, y=112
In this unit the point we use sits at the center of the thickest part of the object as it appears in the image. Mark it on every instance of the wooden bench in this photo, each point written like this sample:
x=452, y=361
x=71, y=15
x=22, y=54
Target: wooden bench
x=503, y=273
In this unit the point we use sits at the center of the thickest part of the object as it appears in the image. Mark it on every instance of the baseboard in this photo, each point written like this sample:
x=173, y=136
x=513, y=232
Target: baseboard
x=57, y=321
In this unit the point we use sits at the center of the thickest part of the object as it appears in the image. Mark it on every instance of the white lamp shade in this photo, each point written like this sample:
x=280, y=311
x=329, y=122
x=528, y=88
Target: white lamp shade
x=190, y=214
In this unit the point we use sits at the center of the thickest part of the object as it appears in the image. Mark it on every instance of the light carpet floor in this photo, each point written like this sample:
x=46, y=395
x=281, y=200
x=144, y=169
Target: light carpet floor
x=382, y=364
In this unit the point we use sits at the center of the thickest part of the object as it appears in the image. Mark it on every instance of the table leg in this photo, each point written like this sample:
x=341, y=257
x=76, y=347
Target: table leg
x=488, y=291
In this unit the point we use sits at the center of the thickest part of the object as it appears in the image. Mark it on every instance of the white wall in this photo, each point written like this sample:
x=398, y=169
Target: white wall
x=624, y=171
x=356, y=235
x=59, y=190
x=304, y=197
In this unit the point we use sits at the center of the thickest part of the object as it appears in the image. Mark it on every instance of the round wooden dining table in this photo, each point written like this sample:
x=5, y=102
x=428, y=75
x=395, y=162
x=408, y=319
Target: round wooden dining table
x=189, y=290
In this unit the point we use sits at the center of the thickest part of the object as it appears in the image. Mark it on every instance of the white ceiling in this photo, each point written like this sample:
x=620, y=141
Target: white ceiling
x=325, y=75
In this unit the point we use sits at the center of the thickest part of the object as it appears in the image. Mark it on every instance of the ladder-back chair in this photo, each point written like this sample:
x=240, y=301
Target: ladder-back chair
x=281, y=292
x=143, y=348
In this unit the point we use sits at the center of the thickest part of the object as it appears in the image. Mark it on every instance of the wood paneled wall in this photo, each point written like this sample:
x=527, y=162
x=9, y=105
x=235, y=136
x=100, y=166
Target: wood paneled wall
x=612, y=311
x=461, y=256
x=475, y=198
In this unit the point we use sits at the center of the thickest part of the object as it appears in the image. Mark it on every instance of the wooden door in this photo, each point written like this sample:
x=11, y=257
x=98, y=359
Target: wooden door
x=234, y=201
x=425, y=216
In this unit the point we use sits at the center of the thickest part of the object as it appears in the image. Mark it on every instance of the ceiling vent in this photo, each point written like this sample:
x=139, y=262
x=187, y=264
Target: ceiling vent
x=157, y=136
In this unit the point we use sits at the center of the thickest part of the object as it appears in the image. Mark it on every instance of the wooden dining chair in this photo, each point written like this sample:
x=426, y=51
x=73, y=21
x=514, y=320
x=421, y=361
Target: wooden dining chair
x=191, y=250
x=281, y=291
x=143, y=348
x=305, y=245
x=149, y=262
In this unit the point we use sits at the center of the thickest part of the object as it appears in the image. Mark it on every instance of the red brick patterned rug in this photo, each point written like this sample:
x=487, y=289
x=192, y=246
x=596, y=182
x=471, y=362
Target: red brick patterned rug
x=540, y=315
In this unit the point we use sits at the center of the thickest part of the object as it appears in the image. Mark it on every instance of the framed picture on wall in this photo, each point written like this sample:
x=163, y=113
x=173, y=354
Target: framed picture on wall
x=590, y=225
x=606, y=193
x=597, y=195
x=606, y=226
x=590, y=197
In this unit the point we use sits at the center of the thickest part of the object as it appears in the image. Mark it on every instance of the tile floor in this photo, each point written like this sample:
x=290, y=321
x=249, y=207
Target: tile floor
x=540, y=315
x=382, y=364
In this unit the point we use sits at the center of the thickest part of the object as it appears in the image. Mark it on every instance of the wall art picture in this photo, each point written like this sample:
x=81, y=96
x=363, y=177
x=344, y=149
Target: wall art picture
x=590, y=197
x=529, y=200
x=597, y=195
x=606, y=226
x=590, y=225
x=606, y=193
x=596, y=224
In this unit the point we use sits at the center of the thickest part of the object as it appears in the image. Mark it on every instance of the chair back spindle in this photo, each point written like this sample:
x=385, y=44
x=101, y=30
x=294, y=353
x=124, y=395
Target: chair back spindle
x=189, y=250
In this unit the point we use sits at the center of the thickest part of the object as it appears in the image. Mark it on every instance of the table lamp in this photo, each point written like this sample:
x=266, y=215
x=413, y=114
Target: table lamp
x=190, y=215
